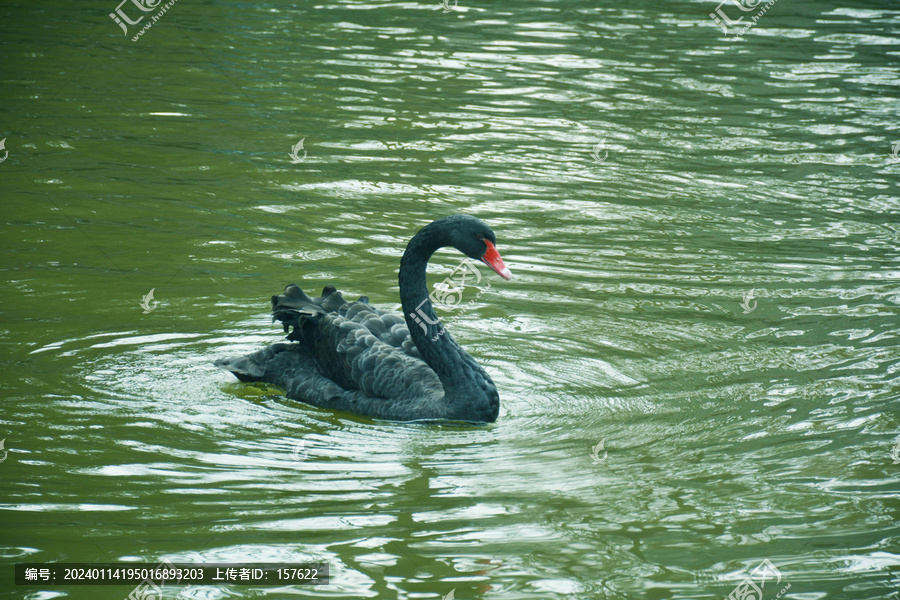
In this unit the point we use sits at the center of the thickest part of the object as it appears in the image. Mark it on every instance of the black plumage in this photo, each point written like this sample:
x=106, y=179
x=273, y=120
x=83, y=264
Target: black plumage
x=355, y=357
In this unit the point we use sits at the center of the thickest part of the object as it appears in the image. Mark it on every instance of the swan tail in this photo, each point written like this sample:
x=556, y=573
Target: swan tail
x=284, y=365
x=246, y=368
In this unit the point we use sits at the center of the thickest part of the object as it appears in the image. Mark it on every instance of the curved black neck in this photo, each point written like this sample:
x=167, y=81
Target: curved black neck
x=463, y=379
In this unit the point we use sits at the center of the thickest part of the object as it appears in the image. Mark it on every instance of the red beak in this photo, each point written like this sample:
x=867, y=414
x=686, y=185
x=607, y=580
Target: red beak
x=492, y=259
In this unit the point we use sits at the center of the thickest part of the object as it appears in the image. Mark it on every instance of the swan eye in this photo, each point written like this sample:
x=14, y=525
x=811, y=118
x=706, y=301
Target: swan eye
x=480, y=236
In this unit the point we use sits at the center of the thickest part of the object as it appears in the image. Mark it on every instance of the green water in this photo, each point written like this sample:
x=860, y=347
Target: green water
x=705, y=247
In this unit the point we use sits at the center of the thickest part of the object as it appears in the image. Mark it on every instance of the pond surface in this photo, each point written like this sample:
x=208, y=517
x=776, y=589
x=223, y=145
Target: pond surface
x=697, y=355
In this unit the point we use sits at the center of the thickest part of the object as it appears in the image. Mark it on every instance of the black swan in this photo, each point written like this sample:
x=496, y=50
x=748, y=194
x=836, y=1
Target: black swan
x=357, y=358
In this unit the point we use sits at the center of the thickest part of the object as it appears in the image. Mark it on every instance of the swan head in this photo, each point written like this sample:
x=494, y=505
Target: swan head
x=474, y=238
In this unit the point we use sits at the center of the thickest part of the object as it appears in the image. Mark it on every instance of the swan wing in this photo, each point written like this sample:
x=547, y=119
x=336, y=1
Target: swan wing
x=294, y=308
x=355, y=345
